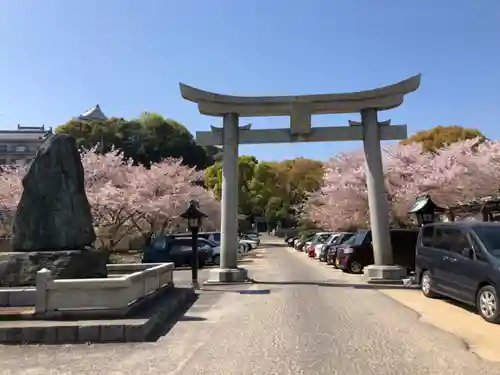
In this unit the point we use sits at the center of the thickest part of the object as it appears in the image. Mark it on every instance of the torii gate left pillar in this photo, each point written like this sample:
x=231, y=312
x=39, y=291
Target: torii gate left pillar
x=300, y=110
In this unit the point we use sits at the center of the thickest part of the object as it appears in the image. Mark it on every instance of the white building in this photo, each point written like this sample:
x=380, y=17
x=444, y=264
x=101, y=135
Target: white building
x=93, y=114
x=19, y=146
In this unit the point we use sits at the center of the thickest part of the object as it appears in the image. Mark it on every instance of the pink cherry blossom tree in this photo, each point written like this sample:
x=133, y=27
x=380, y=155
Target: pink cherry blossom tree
x=160, y=194
x=126, y=200
x=10, y=194
x=458, y=173
x=108, y=192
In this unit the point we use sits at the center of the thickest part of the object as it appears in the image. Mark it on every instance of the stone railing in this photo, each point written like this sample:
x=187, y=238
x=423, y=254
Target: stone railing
x=113, y=295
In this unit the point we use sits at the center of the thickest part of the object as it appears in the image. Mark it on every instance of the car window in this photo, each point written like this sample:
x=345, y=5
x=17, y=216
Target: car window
x=322, y=238
x=451, y=239
x=336, y=239
x=332, y=238
x=203, y=242
x=461, y=242
x=360, y=238
x=441, y=239
x=478, y=250
x=345, y=238
x=159, y=243
x=428, y=236
x=490, y=237
x=217, y=237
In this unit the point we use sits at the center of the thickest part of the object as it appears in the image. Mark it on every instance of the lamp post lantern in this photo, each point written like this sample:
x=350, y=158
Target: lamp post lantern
x=194, y=219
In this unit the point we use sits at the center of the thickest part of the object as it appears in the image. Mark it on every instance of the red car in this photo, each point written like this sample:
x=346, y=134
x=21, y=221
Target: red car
x=311, y=251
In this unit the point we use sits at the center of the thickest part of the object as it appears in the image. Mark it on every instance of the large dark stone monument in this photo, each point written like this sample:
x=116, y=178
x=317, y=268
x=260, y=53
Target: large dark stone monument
x=53, y=223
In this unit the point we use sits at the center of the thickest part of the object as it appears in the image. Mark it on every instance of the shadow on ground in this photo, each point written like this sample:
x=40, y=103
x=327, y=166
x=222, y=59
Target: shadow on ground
x=461, y=305
x=273, y=244
x=164, y=327
x=188, y=268
x=332, y=285
x=187, y=318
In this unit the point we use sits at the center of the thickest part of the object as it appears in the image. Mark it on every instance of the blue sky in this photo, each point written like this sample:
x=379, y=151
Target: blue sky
x=59, y=57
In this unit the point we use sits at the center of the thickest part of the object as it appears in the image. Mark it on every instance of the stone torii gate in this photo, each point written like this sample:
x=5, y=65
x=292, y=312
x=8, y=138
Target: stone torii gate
x=300, y=109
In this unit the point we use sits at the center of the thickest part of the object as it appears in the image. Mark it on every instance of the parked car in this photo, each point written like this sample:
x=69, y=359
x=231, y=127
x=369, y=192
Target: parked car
x=248, y=244
x=177, y=250
x=332, y=243
x=301, y=241
x=334, y=250
x=357, y=252
x=254, y=239
x=211, y=236
x=242, y=248
x=254, y=236
x=290, y=235
x=318, y=238
x=318, y=247
x=290, y=241
x=461, y=260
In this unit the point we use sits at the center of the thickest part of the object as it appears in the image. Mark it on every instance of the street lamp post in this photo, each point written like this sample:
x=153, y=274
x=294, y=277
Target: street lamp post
x=194, y=218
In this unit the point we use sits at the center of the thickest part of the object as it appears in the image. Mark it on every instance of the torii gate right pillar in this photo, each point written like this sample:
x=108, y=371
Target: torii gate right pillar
x=377, y=202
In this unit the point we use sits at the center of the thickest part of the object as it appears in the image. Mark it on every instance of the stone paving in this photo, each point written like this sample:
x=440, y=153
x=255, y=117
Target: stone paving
x=310, y=320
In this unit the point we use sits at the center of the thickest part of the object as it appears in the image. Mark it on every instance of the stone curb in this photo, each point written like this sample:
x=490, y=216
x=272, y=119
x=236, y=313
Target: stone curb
x=116, y=330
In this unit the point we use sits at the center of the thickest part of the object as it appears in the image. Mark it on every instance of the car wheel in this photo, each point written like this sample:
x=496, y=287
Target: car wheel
x=488, y=305
x=355, y=267
x=216, y=260
x=426, y=285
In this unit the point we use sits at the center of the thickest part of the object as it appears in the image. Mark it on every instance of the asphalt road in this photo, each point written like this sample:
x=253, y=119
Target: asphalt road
x=306, y=319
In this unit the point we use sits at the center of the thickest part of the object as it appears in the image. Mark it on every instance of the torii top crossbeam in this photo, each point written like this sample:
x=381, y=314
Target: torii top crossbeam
x=382, y=98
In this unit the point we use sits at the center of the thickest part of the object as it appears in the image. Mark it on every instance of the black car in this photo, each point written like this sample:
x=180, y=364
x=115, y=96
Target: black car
x=357, y=252
x=177, y=250
x=331, y=247
x=461, y=260
x=211, y=236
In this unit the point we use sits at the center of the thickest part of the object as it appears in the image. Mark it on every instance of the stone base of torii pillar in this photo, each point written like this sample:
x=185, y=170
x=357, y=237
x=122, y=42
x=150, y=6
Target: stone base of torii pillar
x=381, y=274
x=227, y=276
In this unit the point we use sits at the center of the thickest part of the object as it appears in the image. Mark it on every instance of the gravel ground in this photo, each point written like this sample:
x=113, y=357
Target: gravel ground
x=306, y=320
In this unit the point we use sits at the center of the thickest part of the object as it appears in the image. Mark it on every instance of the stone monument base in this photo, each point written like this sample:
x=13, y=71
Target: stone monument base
x=227, y=276
x=385, y=274
x=20, y=268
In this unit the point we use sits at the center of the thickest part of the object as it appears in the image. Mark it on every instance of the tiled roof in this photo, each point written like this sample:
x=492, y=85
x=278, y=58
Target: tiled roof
x=94, y=113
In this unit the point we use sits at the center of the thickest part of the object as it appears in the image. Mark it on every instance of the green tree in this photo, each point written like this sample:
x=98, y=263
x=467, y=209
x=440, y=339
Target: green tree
x=270, y=189
x=147, y=139
x=440, y=136
x=246, y=169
